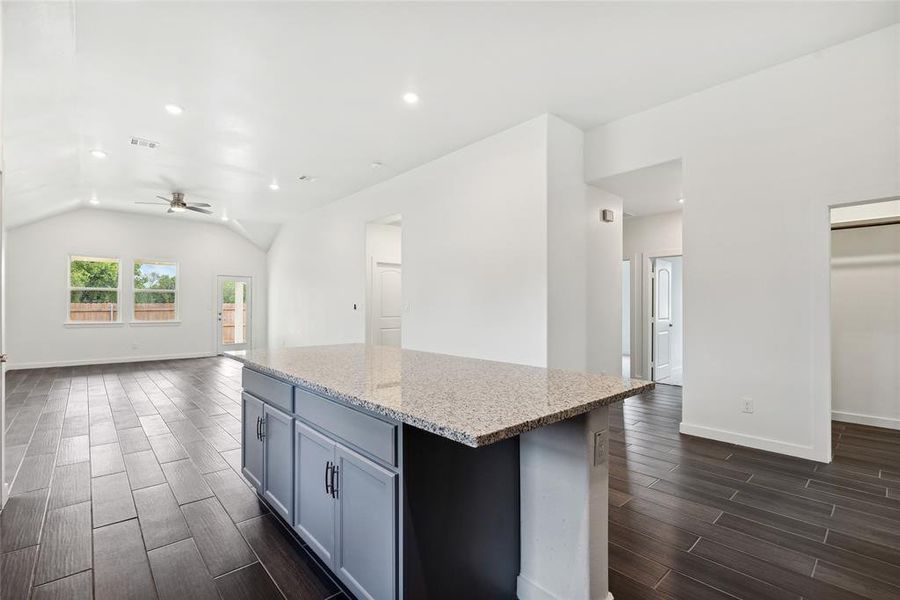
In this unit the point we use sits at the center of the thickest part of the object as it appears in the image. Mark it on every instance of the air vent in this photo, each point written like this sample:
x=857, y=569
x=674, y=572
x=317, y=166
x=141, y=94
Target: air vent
x=144, y=143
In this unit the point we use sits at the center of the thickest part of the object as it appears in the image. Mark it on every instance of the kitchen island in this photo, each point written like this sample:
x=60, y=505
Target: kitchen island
x=419, y=475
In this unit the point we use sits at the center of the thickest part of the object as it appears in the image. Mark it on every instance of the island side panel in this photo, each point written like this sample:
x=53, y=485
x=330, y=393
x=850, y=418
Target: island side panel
x=461, y=524
x=564, y=495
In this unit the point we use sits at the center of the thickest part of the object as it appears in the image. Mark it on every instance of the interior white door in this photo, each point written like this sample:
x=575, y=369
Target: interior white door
x=233, y=314
x=662, y=319
x=387, y=304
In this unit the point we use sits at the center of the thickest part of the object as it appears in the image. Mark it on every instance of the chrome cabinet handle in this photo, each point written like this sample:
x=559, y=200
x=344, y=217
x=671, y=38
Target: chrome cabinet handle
x=328, y=475
x=262, y=428
x=258, y=433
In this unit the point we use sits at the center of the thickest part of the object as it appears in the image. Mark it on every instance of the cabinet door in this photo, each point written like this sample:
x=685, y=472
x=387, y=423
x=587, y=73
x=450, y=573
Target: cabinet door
x=314, y=506
x=366, y=553
x=251, y=443
x=278, y=483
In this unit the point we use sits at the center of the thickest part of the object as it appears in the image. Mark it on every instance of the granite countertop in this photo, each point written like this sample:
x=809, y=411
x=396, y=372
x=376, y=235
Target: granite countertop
x=471, y=401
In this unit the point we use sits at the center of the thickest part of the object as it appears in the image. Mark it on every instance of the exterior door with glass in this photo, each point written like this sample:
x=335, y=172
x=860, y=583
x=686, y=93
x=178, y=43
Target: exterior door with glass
x=233, y=315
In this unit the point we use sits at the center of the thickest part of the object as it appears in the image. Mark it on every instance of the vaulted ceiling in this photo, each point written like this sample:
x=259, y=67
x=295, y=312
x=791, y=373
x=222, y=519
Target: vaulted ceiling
x=274, y=91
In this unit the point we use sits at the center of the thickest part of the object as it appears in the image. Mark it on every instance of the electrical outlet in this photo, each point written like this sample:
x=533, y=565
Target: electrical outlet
x=747, y=405
x=599, y=447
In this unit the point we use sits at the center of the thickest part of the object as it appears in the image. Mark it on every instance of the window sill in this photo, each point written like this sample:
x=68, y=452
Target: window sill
x=80, y=324
x=154, y=323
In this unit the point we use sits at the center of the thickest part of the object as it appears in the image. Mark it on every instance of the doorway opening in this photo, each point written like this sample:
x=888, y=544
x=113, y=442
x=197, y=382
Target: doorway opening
x=865, y=316
x=626, y=318
x=233, y=315
x=666, y=323
x=384, y=297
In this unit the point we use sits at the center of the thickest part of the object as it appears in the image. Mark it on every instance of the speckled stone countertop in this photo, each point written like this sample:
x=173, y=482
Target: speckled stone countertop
x=471, y=401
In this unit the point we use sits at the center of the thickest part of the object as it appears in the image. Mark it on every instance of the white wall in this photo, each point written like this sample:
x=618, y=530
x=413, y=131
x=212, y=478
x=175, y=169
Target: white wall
x=37, y=256
x=643, y=238
x=626, y=307
x=567, y=248
x=865, y=325
x=764, y=158
x=474, y=255
x=660, y=234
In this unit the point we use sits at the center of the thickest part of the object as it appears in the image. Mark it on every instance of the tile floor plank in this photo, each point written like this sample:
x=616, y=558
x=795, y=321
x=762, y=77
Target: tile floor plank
x=121, y=566
x=179, y=572
x=186, y=481
x=161, y=520
x=220, y=543
x=248, y=583
x=112, y=500
x=73, y=587
x=65, y=543
x=143, y=470
x=16, y=569
x=294, y=573
x=71, y=485
x=21, y=519
x=239, y=501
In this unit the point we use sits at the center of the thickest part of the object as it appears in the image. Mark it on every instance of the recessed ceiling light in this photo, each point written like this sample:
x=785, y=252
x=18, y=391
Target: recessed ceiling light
x=174, y=109
x=224, y=218
x=376, y=165
x=681, y=201
x=274, y=186
x=94, y=201
x=98, y=153
x=411, y=98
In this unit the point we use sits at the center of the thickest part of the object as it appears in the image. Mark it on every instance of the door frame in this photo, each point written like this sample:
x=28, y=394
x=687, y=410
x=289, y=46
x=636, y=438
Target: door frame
x=217, y=298
x=647, y=307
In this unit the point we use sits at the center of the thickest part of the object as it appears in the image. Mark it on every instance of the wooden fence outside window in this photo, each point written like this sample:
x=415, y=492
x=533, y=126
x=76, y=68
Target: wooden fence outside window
x=108, y=311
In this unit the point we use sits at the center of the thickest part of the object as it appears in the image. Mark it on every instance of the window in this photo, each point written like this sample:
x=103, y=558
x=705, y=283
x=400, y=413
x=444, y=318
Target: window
x=155, y=290
x=94, y=285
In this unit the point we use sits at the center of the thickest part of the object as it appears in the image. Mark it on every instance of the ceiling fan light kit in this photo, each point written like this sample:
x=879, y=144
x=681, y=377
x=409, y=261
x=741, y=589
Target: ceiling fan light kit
x=177, y=204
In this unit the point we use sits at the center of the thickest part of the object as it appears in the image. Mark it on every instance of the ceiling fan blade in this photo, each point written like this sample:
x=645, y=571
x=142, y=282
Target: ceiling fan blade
x=153, y=203
x=164, y=198
x=201, y=204
x=199, y=210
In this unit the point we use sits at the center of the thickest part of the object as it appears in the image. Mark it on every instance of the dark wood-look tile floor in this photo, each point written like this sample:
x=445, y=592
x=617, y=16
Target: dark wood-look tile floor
x=126, y=484
x=694, y=519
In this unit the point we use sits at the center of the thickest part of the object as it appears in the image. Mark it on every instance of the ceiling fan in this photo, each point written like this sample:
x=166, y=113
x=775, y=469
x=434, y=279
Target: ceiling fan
x=178, y=205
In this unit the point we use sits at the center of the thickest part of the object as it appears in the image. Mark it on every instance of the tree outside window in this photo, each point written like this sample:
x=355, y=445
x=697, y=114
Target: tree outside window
x=155, y=290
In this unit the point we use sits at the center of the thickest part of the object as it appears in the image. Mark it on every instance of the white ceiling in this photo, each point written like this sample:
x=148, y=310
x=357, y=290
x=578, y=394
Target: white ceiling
x=275, y=90
x=647, y=191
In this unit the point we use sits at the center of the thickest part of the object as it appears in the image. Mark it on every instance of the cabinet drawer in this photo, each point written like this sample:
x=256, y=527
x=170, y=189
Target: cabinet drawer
x=369, y=434
x=270, y=390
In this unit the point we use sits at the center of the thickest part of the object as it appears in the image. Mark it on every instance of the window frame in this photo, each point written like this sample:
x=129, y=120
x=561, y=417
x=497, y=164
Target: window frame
x=70, y=288
x=176, y=291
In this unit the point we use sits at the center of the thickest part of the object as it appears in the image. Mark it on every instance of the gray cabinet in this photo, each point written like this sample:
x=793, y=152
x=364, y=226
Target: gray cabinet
x=251, y=442
x=366, y=549
x=278, y=461
x=314, y=506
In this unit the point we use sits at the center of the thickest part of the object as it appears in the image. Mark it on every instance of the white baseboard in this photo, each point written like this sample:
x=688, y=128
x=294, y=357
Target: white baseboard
x=527, y=589
x=752, y=441
x=860, y=419
x=105, y=361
